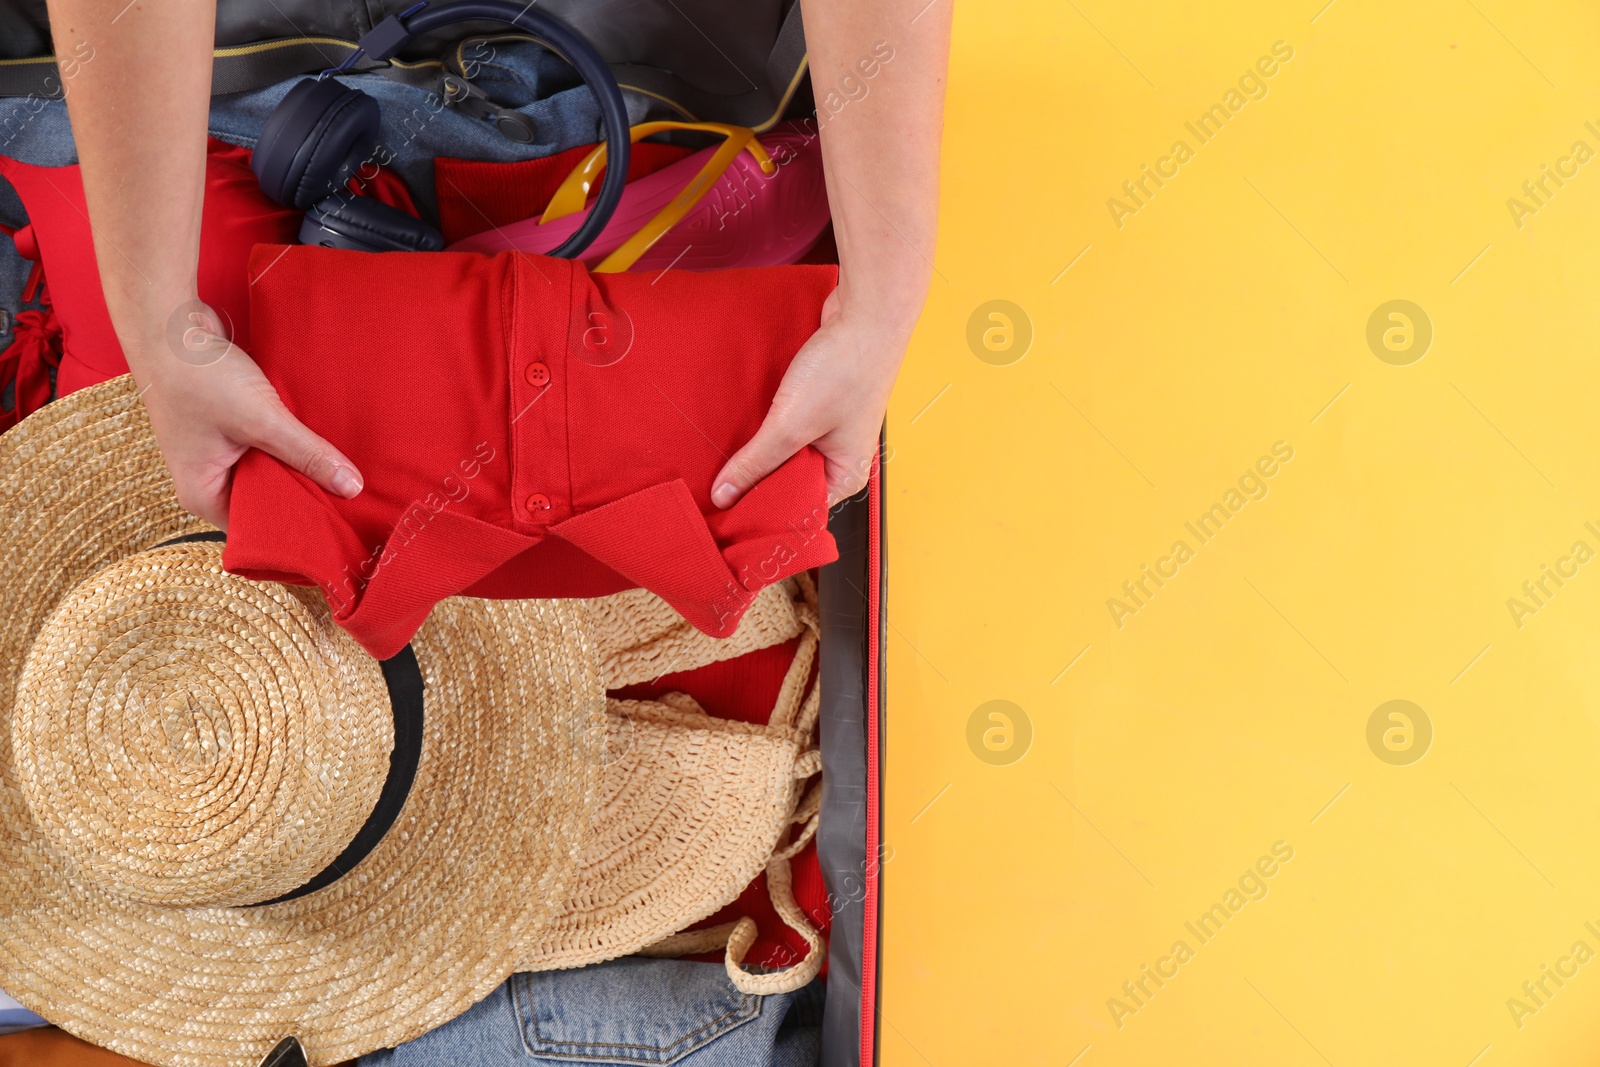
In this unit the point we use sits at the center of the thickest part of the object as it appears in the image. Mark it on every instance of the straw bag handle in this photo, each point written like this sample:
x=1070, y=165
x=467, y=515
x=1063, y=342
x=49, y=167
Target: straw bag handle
x=780, y=887
x=801, y=713
x=574, y=192
x=799, y=702
x=739, y=937
x=640, y=637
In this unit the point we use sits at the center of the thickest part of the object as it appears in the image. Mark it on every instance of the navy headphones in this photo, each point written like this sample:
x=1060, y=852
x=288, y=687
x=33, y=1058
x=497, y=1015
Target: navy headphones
x=323, y=130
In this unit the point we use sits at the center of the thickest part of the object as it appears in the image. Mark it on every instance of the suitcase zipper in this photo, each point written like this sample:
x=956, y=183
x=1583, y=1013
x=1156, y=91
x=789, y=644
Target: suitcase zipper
x=875, y=627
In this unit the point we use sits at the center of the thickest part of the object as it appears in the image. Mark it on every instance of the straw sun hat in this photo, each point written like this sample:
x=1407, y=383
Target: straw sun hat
x=222, y=822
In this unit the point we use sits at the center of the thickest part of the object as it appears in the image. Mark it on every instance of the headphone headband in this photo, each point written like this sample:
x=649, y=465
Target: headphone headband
x=389, y=36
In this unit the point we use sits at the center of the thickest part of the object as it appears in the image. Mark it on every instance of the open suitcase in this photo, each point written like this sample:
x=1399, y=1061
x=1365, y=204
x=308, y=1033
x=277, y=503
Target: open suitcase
x=849, y=840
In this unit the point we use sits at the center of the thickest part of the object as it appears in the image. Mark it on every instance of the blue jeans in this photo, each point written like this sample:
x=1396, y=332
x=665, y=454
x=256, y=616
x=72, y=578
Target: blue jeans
x=626, y=1012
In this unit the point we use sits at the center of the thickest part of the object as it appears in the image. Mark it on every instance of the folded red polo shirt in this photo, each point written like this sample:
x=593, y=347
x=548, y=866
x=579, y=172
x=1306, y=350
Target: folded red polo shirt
x=525, y=429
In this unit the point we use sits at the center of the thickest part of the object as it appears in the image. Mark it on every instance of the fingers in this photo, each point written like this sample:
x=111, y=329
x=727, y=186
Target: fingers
x=848, y=463
x=850, y=454
x=848, y=478
x=769, y=449
x=207, y=412
x=276, y=432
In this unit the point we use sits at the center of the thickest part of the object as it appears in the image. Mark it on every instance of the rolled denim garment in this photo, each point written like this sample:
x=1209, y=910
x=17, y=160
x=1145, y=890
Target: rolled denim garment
x=626, y=1012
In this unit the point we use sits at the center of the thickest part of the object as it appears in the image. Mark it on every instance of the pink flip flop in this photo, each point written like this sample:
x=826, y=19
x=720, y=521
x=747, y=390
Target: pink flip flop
x=746, y=218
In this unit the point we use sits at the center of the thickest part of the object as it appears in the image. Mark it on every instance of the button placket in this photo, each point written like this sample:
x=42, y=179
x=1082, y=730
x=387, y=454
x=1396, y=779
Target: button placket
x=541, y=496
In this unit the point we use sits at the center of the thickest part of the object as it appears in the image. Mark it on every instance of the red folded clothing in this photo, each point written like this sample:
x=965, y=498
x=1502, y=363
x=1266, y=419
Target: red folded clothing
x=526, y=429
x=75, y=329
x=58, y=238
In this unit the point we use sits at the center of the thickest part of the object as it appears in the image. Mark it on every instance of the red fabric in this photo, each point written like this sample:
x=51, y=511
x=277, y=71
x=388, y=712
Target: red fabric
x=236, y=217
x=484, y=478
x=746, y=689
x=475, y=196
x=384, y=186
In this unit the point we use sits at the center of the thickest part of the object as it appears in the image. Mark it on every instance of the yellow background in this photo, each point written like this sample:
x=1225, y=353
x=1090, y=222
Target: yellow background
x=1231, y=711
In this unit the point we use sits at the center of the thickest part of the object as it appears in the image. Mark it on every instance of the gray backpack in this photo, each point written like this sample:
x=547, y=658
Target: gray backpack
x=702, y=60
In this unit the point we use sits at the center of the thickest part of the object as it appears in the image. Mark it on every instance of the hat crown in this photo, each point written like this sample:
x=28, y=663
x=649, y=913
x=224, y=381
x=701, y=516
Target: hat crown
x=186, y=738
x=195, y=729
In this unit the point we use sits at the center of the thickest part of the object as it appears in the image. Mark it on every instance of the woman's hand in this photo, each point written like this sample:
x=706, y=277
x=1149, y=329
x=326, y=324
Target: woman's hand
x=833, y=396
x=209, y=402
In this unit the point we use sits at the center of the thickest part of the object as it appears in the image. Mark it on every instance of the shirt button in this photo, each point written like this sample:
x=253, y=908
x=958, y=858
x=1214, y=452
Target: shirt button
x=538, y=502
x=538, y=374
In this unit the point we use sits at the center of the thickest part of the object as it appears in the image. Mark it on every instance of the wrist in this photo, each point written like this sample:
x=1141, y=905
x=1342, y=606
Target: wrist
x=890, y=294
x=891, y=315
x=883, y=270
x=148, y=326
x=139, y=303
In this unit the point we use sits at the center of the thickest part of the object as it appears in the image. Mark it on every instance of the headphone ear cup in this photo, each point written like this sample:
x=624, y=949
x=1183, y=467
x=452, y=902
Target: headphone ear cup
x=365, y=225
x=312, y=139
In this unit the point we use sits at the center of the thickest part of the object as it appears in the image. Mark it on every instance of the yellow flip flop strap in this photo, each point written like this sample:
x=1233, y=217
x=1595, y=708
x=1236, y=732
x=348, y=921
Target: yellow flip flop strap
x=574, y=191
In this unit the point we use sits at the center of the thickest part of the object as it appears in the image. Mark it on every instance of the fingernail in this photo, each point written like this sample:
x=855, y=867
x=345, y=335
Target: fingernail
x=346, y=482
x=724, y=495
